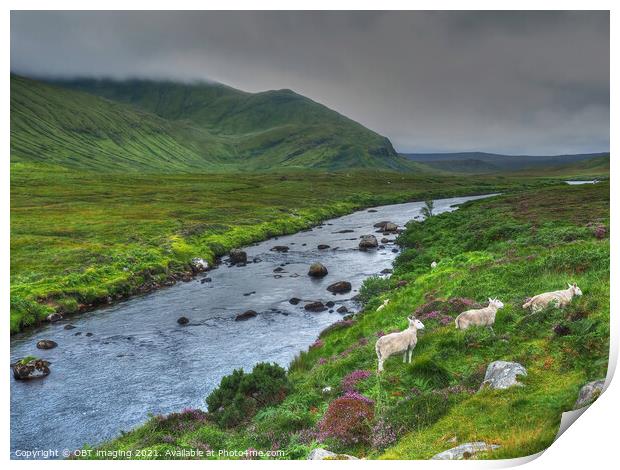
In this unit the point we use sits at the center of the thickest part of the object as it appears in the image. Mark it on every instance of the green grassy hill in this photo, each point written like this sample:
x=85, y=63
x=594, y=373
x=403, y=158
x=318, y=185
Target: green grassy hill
x=52, y=125
x=511, y=247
x=171, y=127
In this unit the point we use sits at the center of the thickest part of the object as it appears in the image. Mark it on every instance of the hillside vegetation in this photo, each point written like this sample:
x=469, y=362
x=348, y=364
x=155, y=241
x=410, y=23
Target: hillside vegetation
x=511, y=247
x=171, y=127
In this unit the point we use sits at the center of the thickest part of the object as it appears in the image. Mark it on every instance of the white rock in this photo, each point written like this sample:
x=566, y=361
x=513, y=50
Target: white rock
x=200, y=264
x=322, y=454
x=459, y=452
x=502, y=374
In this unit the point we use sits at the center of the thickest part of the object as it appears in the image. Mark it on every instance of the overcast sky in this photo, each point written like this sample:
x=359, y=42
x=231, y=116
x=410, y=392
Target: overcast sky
x=508, y=82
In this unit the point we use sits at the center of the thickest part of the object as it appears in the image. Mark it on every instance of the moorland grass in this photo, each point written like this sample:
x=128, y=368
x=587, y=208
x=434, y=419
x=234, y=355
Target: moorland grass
x=512, y=247
x=79, y=237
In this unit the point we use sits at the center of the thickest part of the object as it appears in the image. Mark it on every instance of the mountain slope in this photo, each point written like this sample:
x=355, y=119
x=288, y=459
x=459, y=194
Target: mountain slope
x=72, y=129
x=248, y=131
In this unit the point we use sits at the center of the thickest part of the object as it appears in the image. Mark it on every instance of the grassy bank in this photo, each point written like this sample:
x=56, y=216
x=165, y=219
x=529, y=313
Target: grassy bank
x=510, y=247
x=79, y=238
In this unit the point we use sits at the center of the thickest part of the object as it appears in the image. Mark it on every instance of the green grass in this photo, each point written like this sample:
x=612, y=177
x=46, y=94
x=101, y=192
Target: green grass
x=512, y=247
x=79, y=237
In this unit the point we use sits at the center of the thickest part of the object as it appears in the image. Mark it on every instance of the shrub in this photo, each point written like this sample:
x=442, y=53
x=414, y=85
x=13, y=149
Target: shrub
x=348, y=420
x=373, y=287
x=241, y=395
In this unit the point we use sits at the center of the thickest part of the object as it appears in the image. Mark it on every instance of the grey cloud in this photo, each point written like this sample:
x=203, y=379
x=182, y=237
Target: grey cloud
x=519, y=82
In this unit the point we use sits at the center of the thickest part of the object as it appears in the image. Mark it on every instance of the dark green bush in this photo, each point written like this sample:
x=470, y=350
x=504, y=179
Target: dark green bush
x=241, y=395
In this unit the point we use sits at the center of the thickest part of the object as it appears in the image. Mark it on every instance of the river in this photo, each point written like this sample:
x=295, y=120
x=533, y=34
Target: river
x=138, y=360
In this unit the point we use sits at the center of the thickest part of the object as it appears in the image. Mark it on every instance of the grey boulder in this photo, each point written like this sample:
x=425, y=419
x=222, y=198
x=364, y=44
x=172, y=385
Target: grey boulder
x=502, y=374
x=324, y=454
x=589, y=393
x=464, y=451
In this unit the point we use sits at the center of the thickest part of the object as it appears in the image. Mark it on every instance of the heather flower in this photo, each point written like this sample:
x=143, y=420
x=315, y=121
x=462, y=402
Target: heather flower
x=350, y=381
x=348, y=419
x=321, y=361
x=317, y=344
x=383, y=434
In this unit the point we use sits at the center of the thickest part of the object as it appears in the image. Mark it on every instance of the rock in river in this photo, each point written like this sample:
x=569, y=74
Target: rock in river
x=246, y=315
x=238, y=256
x=340, y=287
x=53, y=317
x=183, y=321
x=317, y=270
x=342, y=309
x=46, y=344
x=280, y=248
x=294, y=301
x=323, y=247
x=367, y=242
x=30, y=368
x=315, y=307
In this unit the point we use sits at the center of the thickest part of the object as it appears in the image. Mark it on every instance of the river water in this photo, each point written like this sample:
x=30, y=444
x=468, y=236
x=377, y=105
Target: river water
x=138, y=360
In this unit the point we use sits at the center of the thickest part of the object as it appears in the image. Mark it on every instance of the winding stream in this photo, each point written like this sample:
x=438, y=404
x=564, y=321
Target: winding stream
x=138, y=360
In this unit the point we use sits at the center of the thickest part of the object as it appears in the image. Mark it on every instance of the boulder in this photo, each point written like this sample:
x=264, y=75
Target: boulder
x=368, y=242
x=342, y=309
x=502, y=374
x=46, y=344
x=294, y=301
x=279, y=269
x=340, y=287
x=315, y=307
x=183, y=320
x=246, y=315
x=69, y=327
x=385, y=240
x=323, y=247
x=199, y=264
x=464, y=451
x=330, y=304
x=89, y=334
x=382, y=224
x=589, y=393
x=280, y=248
x=238, y=256
x=317, y=270
x=386, y=271
x=372, y=210
x=390, y=227
x=30, y=368
x=205, y=280
x=53, y=317
x=324, y=454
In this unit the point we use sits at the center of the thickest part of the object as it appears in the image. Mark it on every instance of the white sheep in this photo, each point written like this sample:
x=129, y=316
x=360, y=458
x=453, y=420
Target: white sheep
x=433, y=264
x=383, y=305
x=399, y=342
x=558, y=298
x=479, y=317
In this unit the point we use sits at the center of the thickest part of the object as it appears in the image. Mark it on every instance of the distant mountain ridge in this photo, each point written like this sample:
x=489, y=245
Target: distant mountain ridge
x=481, y=162
x=144, y=125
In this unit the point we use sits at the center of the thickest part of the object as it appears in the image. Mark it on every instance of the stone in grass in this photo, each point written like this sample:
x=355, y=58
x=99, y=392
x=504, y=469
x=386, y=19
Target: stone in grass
x=589, y=393
x=324, y=454
x=502, y=374
x=464, y=451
